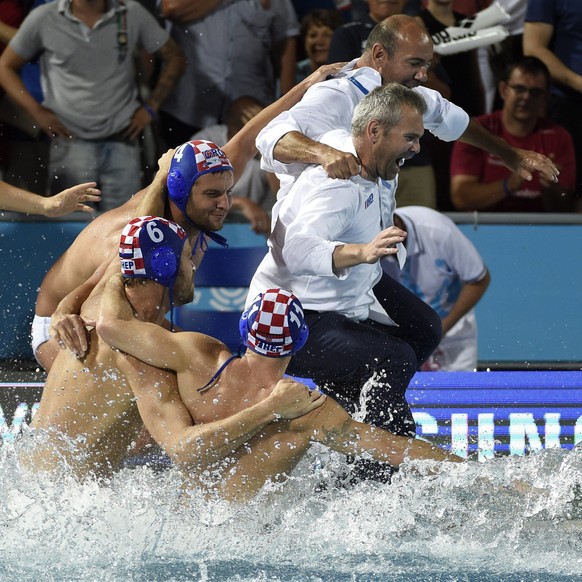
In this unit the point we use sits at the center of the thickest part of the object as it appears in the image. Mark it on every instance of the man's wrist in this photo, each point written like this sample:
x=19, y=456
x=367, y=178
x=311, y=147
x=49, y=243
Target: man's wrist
x=150, y=111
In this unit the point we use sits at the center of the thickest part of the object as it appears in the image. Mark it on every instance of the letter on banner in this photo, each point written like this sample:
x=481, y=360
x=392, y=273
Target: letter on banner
x=522, y=425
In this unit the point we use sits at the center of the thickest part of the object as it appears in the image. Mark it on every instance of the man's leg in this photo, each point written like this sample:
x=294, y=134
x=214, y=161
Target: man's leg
x=419, y=325
x=120, y=172
x=341, y=355
x=71, y=162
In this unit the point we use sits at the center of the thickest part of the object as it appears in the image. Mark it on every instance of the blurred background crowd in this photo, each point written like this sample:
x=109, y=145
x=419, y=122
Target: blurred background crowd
x=173, y=70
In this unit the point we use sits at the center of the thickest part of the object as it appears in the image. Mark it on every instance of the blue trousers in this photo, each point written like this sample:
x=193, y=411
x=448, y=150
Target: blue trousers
x=342, y=354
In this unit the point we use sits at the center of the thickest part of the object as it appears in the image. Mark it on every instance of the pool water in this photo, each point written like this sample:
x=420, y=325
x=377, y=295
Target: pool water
x=509, y=519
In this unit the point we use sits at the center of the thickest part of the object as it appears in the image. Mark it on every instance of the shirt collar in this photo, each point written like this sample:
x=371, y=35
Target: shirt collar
x=64, y=7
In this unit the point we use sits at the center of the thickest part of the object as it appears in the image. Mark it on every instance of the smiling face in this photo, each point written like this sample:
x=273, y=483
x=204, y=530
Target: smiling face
x=391, y=148
x=210, y=200
x=317, y=42
x=411, y=60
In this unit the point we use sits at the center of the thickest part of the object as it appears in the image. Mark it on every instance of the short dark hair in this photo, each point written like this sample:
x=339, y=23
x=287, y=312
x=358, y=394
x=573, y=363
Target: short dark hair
x=321, y=17
x=531, y=65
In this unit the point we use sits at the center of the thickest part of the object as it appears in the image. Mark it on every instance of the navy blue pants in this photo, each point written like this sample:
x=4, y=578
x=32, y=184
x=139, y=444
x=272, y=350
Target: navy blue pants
x=341, y=354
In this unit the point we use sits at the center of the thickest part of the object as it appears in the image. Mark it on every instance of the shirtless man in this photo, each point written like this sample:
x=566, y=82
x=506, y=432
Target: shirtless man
x=97, y=243
x=213, y=385
x=88, y=418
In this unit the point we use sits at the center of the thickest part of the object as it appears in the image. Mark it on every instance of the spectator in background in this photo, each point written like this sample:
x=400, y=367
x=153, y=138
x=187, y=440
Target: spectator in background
x=233, y=48
x=348, y=41
x=91, y=109
x=553, y=33
x=466, y=90
x=316, y=31
x=480, y=182
x=444, y=269
x=254, y=193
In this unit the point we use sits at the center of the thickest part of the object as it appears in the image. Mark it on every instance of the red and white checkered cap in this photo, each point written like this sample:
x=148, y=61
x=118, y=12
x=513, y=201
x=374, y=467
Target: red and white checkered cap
x=275, y=325
x=140, y=236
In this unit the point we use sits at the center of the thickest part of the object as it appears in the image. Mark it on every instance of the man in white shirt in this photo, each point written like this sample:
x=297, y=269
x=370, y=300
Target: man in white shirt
x=445, y=270
x=328, y=239
x=398, y=50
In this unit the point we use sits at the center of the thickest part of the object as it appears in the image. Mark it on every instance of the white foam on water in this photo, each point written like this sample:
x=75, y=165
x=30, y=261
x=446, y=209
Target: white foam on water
x=511, y=518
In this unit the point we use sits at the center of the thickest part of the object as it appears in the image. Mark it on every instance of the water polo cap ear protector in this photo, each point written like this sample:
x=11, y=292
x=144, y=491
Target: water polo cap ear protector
x=274, y=324
x=190, y=161
x=151, y=248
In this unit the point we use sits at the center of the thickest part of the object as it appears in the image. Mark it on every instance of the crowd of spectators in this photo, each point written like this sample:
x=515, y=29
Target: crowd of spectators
x=134, y=78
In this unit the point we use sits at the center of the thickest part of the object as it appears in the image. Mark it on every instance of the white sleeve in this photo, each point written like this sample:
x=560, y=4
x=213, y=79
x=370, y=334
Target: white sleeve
x=322, y=215
x=324, y=107
x=444, y=119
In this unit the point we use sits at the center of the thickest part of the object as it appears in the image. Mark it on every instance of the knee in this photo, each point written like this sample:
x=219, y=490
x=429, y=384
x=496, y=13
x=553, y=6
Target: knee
x=397, y=366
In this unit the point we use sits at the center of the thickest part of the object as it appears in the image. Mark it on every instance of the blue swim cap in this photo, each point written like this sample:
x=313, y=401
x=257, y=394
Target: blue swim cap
x=190, y=161
x=151, y=248
x=274, y=324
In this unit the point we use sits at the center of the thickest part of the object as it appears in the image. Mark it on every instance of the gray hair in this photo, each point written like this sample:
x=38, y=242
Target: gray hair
x=384, y=104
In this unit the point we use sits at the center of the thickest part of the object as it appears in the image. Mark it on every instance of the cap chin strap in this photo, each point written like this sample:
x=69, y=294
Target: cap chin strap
x=217, y=238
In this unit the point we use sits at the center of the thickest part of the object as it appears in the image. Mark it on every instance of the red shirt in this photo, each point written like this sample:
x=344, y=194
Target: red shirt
x=548, y=138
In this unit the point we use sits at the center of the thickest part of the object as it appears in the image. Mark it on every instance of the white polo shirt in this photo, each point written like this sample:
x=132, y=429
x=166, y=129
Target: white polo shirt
x=318, y=215
x=329, y=105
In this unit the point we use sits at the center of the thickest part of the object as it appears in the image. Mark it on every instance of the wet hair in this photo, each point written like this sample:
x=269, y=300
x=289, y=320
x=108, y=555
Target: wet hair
x=389, y=31
x=321, y=17
x=385, y=104
x=531, y=65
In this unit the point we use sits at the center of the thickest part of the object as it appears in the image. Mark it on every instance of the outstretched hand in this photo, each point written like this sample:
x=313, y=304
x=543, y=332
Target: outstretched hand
x=526, y=162
x=71, y=200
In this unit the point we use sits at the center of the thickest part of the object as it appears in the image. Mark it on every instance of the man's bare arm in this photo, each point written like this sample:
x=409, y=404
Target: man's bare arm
x=149, y=342
x=187, y=10
x=341, y=433
x=69, y=200
x=469, y=296
x=173, y=64
x=536, y=42
x=523, y=162
x=10, y=65
x=241, y=148
x=195, y=446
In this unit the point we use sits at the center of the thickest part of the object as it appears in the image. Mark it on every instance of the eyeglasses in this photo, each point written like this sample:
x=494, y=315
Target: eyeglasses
x=534, y=93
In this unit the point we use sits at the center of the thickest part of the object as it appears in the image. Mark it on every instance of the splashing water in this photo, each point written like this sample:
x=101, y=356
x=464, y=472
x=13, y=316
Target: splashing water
x=511, y=518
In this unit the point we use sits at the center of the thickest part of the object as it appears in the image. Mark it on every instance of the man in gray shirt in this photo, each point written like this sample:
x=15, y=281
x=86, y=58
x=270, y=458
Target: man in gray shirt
x=91, y=109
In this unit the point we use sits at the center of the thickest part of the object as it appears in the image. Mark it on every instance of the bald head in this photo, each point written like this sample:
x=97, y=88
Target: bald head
x=400, y=49
x=399, y=27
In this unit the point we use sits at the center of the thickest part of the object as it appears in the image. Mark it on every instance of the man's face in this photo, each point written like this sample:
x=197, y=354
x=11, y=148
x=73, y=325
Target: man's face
x=524, y=96
x=393, y=147
x=380, y=9
x=411, y=60
x=184, y=284
x=210, y=200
